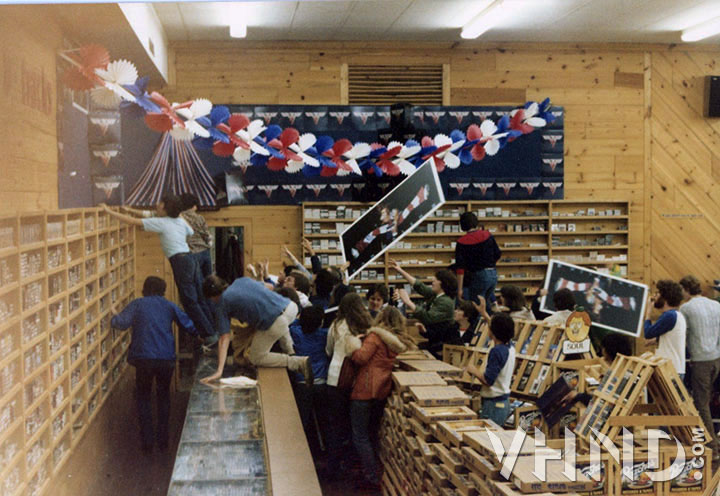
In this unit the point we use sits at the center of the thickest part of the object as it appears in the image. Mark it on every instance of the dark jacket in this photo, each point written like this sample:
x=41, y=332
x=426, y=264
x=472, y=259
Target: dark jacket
x=151, y=319
x=475, y=251
x=313, y=346
x=375, y=358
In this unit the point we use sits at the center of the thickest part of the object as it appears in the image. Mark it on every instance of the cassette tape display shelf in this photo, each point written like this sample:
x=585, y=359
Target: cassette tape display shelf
x=59, y=358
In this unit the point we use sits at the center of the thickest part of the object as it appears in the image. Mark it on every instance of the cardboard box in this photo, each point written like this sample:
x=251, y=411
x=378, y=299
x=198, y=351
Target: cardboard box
x=597, y=472
x=420, y=430
x=639, y=481
x=438, y=475
x=449, y=459
x=479, y=464
x=430, y=414
x=480, y=442
x=461, y=480
x=507, y=489
x=695, y=474
x=404, y=380
x=439, y=396
x=452, y=431
x=442, y=368
x=555, y=480
x=427, y=451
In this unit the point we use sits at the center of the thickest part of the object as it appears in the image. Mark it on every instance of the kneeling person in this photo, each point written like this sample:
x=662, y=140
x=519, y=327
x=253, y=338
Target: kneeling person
x=263, y=310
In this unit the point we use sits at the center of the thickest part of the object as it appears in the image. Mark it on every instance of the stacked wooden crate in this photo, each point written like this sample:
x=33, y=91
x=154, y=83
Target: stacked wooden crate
x=537, y=346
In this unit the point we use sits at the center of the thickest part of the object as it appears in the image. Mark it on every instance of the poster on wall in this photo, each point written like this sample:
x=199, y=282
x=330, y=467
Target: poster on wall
x=391, y=218
x=613, y=303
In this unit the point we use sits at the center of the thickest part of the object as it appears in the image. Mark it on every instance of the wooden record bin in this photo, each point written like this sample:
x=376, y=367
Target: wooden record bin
x=59, y=273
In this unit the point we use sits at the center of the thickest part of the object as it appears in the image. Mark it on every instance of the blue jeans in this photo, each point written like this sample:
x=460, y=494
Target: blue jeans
x=365, y=418
x=189, y=285
x=204, y=263
x=482, y=283
x=496, y=410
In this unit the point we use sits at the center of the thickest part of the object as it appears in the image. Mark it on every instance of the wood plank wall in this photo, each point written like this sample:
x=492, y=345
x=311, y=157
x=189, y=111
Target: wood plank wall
x=28, y=101
x=633, y=123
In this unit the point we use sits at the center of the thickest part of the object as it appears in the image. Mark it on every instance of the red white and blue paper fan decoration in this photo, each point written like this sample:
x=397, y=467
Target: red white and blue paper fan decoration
x=262, y=145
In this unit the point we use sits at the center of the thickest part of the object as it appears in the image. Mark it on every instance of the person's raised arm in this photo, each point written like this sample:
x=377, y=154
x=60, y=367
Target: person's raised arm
x=128, y=219
x=315, y=261
x=393, y=264
x=482, y=308
x=135, y=211
x=293, y=258
x=405, y=297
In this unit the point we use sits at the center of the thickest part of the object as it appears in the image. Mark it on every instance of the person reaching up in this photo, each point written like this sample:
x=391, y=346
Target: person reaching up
x=173, y=231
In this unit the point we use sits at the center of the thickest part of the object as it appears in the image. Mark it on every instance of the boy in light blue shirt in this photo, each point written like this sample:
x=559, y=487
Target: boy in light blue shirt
x=173, y=232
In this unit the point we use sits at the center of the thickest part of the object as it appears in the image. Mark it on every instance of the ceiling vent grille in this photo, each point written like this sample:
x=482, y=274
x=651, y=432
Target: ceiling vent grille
x=388, y=84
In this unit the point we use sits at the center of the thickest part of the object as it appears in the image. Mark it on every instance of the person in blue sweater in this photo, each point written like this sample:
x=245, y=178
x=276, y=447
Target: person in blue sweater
x=152, y=353
x=265, y=311
x=309, y=339
x=496, y=374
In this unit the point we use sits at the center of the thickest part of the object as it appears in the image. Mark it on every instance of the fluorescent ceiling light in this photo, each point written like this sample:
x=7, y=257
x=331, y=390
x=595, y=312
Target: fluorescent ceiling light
x=238, y=30
x=484, y=21
x=704, y=30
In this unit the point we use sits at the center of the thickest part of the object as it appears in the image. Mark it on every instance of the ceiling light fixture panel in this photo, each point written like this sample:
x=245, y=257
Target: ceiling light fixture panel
x=485, y=20
x=238, y=30
x=702, y=30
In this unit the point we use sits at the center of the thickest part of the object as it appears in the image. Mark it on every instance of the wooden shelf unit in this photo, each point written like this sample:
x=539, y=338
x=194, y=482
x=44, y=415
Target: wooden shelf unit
x=530, y=233
x=59, y=359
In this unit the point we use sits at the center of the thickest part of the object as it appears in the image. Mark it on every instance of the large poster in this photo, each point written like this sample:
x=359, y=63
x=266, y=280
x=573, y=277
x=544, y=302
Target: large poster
x=396, y=214
x=613, y=303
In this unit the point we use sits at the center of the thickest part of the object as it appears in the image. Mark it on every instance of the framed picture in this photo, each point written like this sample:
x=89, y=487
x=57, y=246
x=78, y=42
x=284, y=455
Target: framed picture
x=391, y=218
x=612, y=302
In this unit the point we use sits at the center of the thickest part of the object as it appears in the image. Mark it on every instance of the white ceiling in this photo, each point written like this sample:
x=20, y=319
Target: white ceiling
x=642, y=21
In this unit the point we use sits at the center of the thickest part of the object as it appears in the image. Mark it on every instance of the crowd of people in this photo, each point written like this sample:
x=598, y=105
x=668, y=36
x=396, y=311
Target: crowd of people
x=340, y=346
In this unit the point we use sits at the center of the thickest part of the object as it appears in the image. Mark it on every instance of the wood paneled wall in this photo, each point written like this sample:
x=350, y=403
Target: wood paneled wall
x=685, y=156
x=633, y=124
x=29, y=41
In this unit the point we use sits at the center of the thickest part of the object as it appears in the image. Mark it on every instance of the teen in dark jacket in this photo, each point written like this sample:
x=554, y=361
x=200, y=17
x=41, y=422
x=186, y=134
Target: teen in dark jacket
x=152, y=353
x=476, y=254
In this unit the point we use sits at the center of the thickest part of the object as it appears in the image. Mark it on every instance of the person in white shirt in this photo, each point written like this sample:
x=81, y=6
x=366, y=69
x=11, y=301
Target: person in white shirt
x=301, y=284
x=496, y=373
x=703, y=343
x=564, y=302
x=670, y=328
x=352, y=319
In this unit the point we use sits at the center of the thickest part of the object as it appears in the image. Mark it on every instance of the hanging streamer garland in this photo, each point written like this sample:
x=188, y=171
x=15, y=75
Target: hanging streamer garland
x=215, y=128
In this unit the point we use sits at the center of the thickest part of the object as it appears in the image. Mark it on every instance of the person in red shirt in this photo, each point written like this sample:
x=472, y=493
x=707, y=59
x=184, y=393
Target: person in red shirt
x=476, y=254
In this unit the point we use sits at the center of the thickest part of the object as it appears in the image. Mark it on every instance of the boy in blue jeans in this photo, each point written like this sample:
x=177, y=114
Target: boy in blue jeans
x=152, y=353
x=173, y=231
x=496, y=375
